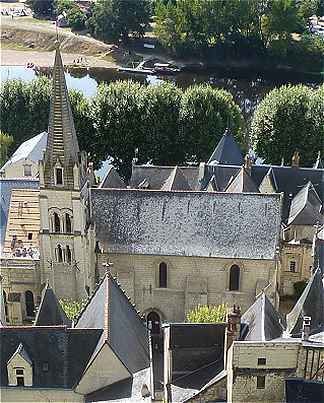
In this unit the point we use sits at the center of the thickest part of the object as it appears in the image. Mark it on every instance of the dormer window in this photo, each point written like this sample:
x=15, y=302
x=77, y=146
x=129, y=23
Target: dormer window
x=20, y=368
x=27, y=170
x=20, y=377
x=59, y=176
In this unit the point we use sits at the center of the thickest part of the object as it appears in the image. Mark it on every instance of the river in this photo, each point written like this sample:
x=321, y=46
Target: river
x=247, y=88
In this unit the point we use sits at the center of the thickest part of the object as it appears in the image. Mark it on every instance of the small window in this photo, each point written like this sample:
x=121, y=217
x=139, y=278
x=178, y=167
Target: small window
x=260, y=382
x=262, y=361
x=234, y=281
x=20, y=377
x=59, y=252
x=30, y=236
x=293, y=266
x=163, y=275
x=45, y=366
x=57, y=224
x=68, y=224
x=27, y=170
x=59, y=176
x=68, y=254
x=30, y=305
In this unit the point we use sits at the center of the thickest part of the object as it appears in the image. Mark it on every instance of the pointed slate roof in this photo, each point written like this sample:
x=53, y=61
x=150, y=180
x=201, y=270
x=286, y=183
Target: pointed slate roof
x=227, y=151
x=111, y=310
x=50, y=312
x=305, y=207
x=268, y=183
x=264, y=322
x=112, y=180
x=62, y=143
x=176, y=181
x=242, y=183
x=310, y=303
x=22, y=352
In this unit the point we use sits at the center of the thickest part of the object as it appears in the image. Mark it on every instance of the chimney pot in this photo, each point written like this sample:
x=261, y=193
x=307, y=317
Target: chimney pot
x=295, y=159
x=306, y=328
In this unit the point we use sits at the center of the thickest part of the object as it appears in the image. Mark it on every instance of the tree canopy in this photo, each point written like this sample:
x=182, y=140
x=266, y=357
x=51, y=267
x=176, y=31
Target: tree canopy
x=289, y=118
x=72, y=307
x=207, y=314
x=5, y=142
x=117, y=19
x=44, y=7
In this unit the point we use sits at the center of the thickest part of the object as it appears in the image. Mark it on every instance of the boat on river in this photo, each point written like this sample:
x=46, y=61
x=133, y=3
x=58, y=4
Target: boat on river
x=158, y=68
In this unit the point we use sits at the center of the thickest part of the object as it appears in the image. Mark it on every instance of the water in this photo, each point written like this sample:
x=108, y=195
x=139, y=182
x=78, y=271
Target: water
x=247, y=87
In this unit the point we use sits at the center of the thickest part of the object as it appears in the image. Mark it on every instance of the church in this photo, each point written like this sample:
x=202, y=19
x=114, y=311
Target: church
x=175, y=237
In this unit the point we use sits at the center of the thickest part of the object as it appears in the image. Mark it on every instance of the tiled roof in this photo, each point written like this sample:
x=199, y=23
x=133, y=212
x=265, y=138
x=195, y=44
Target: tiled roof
x=110, y=309
x=50, y=312
x=6, y=186
x=206, y=224
x=32, y=149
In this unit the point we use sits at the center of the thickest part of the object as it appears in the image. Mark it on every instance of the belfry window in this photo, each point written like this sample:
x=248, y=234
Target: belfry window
x=29, y=301
x=234, y=280
x=68, y=254
x=59, y=253
x=56, y=222
x=68, y=223
x=59, y=176
x=163, y=275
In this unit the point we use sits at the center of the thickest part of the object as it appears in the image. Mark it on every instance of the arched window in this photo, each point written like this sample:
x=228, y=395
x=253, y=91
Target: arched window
x=59, y=176
x=68, y=223
x=154, y=322
x=59, y=253
x=68, y=254
x=56, y=223
x=5, y=305
x=163, y=275
x=29, y=301
x=234, y=281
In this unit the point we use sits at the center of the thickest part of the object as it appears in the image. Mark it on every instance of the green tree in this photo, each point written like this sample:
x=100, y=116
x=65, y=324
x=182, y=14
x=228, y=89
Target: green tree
x=117, y=111
x=74, y=14
x=289, y=118
x=44, y=7
x=117, y=19
x=205, y=113
x=207, y=314
x=163, y=144
x=71, y=307
x=5, y=142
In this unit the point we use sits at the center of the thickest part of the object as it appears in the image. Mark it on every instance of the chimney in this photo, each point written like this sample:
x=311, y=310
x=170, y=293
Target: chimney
x=233, y=328
x=306, y=328
x=295, y=160
x=248, y=164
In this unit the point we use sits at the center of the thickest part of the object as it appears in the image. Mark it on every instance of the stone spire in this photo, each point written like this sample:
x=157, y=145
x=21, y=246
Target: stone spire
x=62, y=150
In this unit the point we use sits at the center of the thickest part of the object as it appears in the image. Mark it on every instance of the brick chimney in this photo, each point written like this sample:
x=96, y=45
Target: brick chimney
x=248, y=163
x=295, y=160
x=233, y=328
x=306, y=328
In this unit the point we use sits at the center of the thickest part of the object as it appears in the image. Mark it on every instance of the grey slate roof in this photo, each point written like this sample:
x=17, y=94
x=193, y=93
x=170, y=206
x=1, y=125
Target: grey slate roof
x=157, y=175
x=242, y=183
x=23, y=353
x=310, y=303
x=305, y=207
x=50, y=312
x=112, y=179
x=176, y=181
x=66, y=351
x=187, y=223
x=264, y=322
x=6, y=186
x=32, y=149
x=227, y=151
x=110, y=309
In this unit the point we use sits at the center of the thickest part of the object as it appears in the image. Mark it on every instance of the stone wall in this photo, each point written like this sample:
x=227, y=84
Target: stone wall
x=190, y=281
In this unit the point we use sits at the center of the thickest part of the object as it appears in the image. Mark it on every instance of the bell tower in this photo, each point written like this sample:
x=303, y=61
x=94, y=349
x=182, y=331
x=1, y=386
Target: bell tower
x=63, y=198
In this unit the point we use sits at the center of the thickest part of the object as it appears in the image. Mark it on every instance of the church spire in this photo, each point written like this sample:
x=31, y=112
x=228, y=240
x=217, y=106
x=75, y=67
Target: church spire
x=62, y=150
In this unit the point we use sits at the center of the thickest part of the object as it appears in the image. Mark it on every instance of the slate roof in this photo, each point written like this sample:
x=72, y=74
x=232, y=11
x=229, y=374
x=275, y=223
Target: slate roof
x=23, y=353
x=310, y=303
x=242, y=183
x=6, y=186
x=305, y=207
x=110, y=309
x=227, y=151
x=32, y=149
x=187, y=223
x=158, y=175
x=50, y=312
x=264, y=322
x=66, y=351
x=112, y=179
x=288, y=180
x=176, y=181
